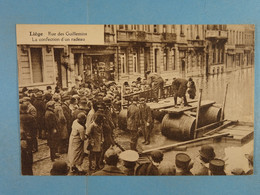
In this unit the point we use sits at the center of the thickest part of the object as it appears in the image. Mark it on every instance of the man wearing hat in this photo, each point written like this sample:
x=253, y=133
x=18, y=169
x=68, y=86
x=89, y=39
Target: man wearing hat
x=59, y=168
x=111, y=160
x=183, y=164
x=83, y=107
x=151, y=168
x=145, y=120
x=156, y=82
x=201, y=163
x=216, y=167
x=40, y=107
x=51, y=128
x=250, y=158
x=133, y=122
x=68, y=116
x=129, y=158
x=33, y=112
x=76, y=143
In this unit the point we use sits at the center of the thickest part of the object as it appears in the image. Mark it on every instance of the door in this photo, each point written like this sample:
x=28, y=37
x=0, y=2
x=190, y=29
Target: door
x=62, y=76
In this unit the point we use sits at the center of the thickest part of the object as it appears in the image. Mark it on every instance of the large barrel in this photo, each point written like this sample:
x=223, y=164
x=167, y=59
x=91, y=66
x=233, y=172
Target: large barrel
x=209, y=115
x=178, y=127
x=122, y=123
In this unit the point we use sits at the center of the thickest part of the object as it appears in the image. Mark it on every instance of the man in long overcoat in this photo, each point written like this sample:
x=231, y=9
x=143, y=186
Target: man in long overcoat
x=145, y=120
x=51, y=128
x=133, y=122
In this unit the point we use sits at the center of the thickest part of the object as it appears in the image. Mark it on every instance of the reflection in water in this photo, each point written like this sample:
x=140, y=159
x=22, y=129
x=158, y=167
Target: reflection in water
x=240, y=95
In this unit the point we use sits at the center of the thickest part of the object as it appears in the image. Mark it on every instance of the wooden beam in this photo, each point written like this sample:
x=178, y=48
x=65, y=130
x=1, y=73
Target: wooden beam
x=219, y=128
x=224, y=103
x=197, y=114
x=185, y=142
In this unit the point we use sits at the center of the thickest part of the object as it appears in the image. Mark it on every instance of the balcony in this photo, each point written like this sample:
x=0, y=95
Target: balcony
x=196, y=43
x=216, y=34
x=168, y=37
x=137, y=36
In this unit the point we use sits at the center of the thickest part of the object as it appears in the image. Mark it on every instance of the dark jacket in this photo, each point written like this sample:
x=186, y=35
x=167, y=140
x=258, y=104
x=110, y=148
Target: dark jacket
x=68, y=115
x=179, y=87
x=40, y=107
x=154, y=78
x=145, y=114
x=51, y=127
x=109, y=171
x=29, y=125
x=147, y=169
x=133, y=117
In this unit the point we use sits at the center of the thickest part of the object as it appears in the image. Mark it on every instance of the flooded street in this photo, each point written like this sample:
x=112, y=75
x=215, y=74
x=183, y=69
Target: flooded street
x=239, y=106
x=240, y=94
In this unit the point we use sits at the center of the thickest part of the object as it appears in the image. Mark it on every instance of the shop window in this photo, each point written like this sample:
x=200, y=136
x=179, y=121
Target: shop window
x=123, y=63
x=36, y=65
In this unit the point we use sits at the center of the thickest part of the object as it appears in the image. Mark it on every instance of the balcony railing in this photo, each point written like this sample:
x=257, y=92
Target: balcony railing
x=217, y=34
x=168, y=37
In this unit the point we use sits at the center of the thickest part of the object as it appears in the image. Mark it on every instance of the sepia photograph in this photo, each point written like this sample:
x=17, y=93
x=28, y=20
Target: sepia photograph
x=136, y=99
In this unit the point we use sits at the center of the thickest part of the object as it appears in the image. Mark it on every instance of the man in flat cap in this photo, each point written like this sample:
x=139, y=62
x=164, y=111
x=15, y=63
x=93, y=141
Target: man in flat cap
x=156, y=82
x=217, y=167
x=111, y=160
x=151, y=168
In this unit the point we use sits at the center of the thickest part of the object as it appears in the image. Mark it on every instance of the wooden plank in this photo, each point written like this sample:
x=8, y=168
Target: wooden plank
x=164, y=105
x=204, y=103
x=240, y=129
x=185, y=142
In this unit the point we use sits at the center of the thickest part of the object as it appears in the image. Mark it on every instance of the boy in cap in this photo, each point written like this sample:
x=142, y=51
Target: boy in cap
x=145, y=120
x=201, y=163
x=129, y=158
x=183, y=164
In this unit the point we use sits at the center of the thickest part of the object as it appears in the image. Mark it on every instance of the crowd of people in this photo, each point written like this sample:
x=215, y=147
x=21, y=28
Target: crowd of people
x=80, y=122
x=126, y=163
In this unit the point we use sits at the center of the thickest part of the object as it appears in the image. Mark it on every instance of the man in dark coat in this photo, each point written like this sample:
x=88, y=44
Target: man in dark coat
x=145, y=120
x=156, y=82
x=183, y=164
x=179, y=87
x=133, y=122
x=40, y=107
x=28, y=131
x=51, y=128
x=68, y=115
x=83, y=107
x=110, y=169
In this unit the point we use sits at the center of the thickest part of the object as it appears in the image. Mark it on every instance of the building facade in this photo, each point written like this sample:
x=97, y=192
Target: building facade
x=130, y=50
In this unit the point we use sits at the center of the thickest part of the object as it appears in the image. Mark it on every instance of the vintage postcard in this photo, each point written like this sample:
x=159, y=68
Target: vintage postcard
x=136, y=99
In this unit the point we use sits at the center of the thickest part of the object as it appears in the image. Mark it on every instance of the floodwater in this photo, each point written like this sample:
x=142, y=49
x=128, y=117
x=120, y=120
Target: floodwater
x=239, y=106
x=240, y=93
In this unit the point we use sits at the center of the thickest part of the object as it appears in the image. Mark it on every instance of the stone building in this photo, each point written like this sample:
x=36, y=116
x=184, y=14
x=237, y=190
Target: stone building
x=128, y=51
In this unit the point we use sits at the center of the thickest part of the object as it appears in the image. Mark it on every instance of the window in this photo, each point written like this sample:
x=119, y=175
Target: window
x=36, y=65
x=165, y=60
x=121, y=27
x=155, y=29
x=135, y=64
x=173, y=60
x=164, y=28
x=123, y=63
x=172, y=29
